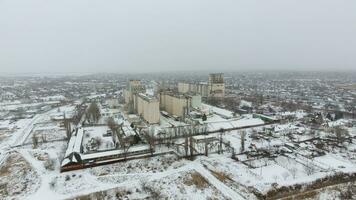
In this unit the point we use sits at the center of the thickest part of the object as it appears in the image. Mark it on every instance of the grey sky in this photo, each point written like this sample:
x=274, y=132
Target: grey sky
x=71, y=36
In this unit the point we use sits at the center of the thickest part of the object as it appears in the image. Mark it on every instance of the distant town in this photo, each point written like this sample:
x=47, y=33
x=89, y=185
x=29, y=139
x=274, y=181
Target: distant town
x=183, y=135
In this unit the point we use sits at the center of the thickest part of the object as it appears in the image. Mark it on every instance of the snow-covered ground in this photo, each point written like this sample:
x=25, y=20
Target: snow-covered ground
x=32, y=172
x=97, y=133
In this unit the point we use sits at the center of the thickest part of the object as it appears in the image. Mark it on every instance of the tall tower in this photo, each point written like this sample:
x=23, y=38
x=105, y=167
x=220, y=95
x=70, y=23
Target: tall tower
x=216, y=85
x=133, y=87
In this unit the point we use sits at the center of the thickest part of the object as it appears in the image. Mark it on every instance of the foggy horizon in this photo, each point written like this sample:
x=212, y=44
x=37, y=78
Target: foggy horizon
x=66, y=37
x=226, y=72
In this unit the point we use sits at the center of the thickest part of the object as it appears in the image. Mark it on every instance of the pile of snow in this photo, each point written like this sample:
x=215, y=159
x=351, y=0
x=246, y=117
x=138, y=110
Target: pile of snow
x=340, y=122
x=244, y=103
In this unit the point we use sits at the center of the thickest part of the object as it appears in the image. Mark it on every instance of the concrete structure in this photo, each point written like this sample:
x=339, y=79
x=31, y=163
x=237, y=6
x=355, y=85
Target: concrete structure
x=133, y=87
x=184, y=87
x=195, y=101
x=214, y=88
x=197, y=88
x=179, y=104
x=147, y=108
x=175, y=105
x=137, y=102
x=216, y=85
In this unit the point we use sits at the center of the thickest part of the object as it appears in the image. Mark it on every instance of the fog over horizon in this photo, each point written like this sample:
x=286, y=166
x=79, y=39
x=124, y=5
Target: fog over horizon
x=73, y=37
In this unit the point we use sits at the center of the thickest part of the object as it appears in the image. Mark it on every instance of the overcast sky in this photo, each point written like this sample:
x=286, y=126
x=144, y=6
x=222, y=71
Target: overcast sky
x=77, y=36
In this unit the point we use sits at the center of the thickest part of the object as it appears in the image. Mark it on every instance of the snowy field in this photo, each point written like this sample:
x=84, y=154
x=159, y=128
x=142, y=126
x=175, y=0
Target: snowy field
x=32, y=172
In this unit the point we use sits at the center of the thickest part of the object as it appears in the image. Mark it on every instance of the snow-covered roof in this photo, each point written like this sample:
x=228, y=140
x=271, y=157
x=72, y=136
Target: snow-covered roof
x=75, y=142
x=70, y=145
x=114, y=152
x=78, y=141
x=219, y=111
x=237, y=123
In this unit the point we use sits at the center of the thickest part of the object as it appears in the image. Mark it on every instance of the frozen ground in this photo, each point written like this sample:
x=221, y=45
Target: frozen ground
x=29, y=172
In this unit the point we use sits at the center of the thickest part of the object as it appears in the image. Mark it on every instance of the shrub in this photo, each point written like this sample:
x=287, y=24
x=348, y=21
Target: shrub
x=52, y=184
x=49, y=164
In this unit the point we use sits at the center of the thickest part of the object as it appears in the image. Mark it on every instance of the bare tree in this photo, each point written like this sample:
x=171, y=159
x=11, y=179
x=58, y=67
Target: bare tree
x=220, y=140
x=191, y=148
x=113, y=126
x=243, y=136
x=79, y=111
x=21, y=112
x=93, y=112
x=34, y=141
x=186, y=146
x=204, y=118
x=124, y=142
x=98, y=141
x=348, y=193
x=67, y=126
x=341, y=134
x=293, y=171
x=49, y=164
x=125, y=145
x=43, y=137
x=206, y=148
x=150, y=138
x=309, y=168
x=233, y=153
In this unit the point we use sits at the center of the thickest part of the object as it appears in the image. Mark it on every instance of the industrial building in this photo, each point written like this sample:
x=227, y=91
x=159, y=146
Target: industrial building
x=133, y=87
x=147, y=107
x=214, y=88
x=216, y=85
x=178, y=105
x=138, y=102
x=198, y=88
